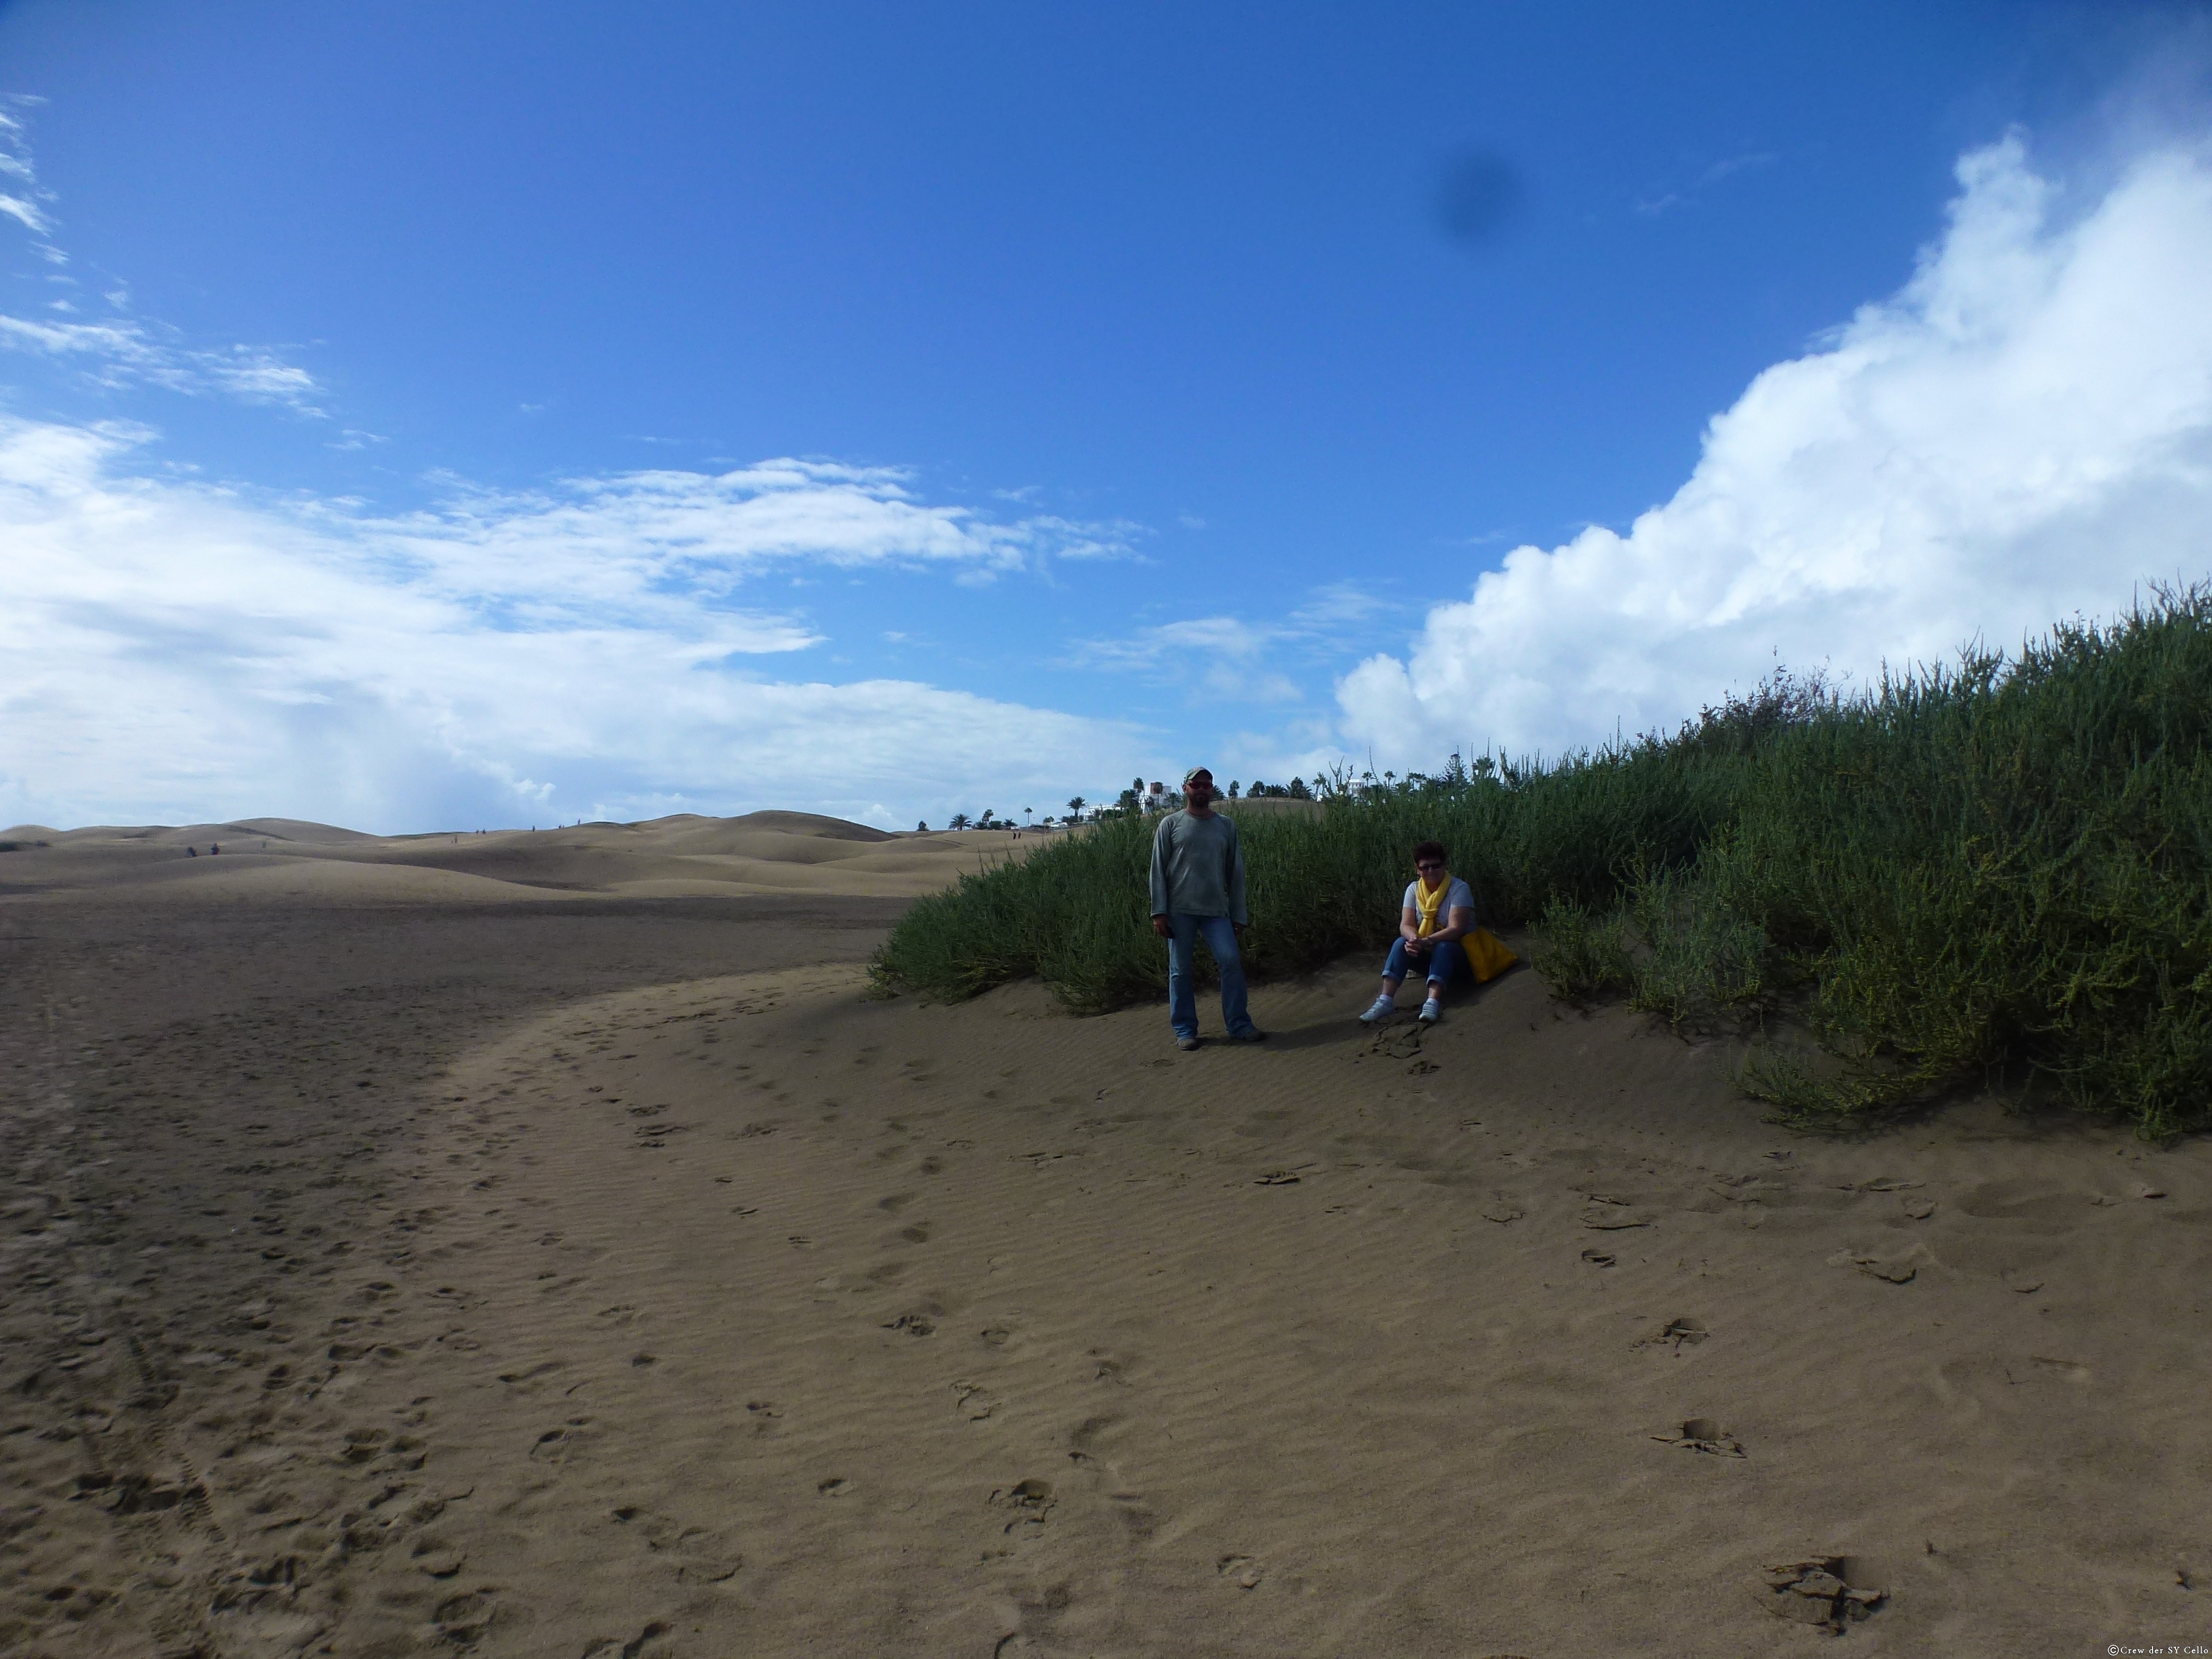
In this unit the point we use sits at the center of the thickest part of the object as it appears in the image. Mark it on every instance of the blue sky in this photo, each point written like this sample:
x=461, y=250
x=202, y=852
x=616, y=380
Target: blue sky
x=423, y=414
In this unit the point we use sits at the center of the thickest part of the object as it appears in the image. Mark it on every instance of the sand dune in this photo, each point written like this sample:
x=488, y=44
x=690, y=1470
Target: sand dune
x=606, y=1273
x=281, y=861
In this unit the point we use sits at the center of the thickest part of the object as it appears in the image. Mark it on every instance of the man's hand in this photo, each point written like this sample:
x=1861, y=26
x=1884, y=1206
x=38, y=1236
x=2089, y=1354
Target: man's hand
x=1160, y=927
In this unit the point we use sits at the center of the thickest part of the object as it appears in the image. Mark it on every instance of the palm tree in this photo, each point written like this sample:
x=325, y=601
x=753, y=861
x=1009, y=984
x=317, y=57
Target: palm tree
x=959, y=820
x=1075, y=805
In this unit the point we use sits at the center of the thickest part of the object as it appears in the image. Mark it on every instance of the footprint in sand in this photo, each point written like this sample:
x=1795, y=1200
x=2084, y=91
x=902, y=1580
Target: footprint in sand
x=1677, y=1335
x=1706, y=1435
x=1831, y=1591
x=608, y=1647
x=558, y=1445
x=1894, y=1270
x=1028, y=1502
x=464, y=1619
x=699, y=1554
x=1613, y=1214
x=975, y=1402
x=430, y=1556
x=1241, y=1570
x=914, y=1324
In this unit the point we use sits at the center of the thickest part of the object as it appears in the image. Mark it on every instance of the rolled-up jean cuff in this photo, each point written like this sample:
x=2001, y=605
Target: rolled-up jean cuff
x=1446, y=963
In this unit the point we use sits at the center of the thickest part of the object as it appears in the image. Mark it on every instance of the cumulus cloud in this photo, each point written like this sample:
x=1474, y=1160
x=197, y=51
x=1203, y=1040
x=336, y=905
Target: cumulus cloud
x=178, y=651
x=2022, y=433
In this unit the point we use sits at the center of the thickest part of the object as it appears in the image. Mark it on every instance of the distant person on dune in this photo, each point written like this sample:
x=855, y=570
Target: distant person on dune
x=1198, y=890
x=1436, y=929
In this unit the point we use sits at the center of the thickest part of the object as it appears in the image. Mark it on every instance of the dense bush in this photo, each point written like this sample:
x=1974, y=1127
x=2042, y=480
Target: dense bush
x=2009, y=863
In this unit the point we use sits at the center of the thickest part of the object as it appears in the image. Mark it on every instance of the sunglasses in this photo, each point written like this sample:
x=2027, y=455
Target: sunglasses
x=1430, y=864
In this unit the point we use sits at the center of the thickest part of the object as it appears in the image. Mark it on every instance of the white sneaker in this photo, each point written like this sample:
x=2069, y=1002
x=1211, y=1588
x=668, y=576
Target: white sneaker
x=1432, y=1011
x=1381, y=1008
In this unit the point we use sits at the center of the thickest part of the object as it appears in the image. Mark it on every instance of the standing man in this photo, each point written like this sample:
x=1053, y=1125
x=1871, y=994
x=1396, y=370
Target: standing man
x=1198, y=890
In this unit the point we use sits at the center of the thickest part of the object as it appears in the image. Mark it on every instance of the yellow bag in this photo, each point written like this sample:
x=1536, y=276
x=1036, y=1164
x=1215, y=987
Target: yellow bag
x=1487, y=955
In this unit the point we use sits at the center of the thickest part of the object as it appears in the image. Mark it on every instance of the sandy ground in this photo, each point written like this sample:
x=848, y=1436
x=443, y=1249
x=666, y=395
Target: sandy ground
x=388, y=1270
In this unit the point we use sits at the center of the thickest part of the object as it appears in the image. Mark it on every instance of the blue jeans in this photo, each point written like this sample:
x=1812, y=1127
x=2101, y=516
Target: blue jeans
x=1446, y=961
x=1182, y=983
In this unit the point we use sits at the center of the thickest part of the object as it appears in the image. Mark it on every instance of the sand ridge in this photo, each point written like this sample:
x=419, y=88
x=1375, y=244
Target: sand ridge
x=283, y=861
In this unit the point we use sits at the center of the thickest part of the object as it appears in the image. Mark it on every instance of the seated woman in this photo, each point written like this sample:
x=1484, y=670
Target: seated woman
x=1439, y=911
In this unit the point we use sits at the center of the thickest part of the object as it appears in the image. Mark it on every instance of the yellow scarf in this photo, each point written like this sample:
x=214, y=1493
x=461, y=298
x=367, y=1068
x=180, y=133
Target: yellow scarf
x=1430, y=902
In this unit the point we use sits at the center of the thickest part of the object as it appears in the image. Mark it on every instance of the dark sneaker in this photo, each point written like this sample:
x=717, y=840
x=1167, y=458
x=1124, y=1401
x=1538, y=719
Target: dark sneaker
x=1186, y=1042
x=1250, y=1034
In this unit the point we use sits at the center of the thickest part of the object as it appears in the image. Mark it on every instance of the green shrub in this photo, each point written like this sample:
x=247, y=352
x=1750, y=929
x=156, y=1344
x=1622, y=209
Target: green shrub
x=1582, y=955
x=2007, y=862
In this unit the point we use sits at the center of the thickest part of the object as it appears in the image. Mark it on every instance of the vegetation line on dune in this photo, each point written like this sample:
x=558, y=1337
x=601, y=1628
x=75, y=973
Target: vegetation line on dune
x=2005, y=863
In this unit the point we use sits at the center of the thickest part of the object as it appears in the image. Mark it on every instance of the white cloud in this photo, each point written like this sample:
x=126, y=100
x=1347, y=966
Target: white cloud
x=25, y=213
x=597, y=540
x=1225, y=658
x=21, y=201
x=2022, y=433
x=126, y=353
x=179, y=650
x=1660, y=202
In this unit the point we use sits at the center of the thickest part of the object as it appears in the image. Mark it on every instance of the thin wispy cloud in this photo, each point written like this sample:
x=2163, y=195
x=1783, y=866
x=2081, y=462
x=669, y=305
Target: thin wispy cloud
x=1664, y=201
x=21, y=198
x=2022, y=433
x=123, y=353
x=1226, y=657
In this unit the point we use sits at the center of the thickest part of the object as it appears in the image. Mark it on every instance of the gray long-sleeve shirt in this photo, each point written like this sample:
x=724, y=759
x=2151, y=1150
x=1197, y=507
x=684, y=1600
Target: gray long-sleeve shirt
x=1197, y=868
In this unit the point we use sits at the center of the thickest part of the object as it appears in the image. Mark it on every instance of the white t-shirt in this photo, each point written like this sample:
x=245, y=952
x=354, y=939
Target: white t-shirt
x=1458, y=897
